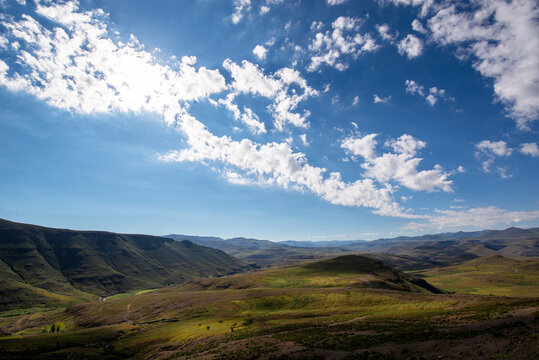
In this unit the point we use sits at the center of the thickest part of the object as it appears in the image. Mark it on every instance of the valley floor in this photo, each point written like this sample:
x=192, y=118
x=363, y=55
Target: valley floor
x=287, y=323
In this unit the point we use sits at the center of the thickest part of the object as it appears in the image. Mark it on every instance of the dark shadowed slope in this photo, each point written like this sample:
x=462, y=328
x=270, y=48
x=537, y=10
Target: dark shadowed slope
x=45, y=266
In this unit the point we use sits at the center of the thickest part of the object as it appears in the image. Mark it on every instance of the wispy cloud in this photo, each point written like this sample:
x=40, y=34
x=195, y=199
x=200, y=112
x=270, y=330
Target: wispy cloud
x=474, y=218
x=431, y=95
x=381, y=100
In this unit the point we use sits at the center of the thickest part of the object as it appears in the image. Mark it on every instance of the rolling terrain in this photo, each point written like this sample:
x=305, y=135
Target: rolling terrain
x=345, y=271
x=405, y=253
x=265, y=253
x=340, y=308
x=489, y=275
x=97, y=295
x=47, y=267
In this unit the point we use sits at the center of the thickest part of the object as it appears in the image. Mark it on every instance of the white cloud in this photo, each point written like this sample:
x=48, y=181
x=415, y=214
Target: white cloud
x=498, y=148
x=377, y=99
x=335, y=2
x=303, y=138
x=345, y=39
x=88, y=72
x=250, y=119
x=78, y=68
x=431, y=97
x=504, y=172
x=434, y=94
x=502, y=37
x=317, y=25
x=249, y=78
x=276, y=164
x=400, y=166
x=260, y=52
x=356, y=101
x=529, y=149
x=72, y=64
x=413, y=87
x=411, y=46
x=240, y=7
x=363, y=146
x=264, y=9
x=227, y=102
x=82, y=70
x=476, y=218
x=426, y=5
x=346, y=23
x=418, y=26
x=383, y=30
x=235, y=178
x=488, y=150
x=406, y=144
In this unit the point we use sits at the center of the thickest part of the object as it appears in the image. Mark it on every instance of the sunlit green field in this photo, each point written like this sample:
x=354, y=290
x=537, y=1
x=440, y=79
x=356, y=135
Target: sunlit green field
x=494, y=275
x=288, y=313
x=206, y=323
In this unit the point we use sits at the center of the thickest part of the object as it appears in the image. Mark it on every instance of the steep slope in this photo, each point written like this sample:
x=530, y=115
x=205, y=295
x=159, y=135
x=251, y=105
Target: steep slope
x=79, y=263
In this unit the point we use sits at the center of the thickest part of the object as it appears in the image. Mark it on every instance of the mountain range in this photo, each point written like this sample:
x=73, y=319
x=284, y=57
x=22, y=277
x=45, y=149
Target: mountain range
x=102, y=295
x=404, y=252
x=48, y=267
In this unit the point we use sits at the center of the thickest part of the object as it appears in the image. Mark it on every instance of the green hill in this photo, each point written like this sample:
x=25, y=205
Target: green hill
x=350, y=307
x=489, y=275
x=345, y=271
x=48, y=267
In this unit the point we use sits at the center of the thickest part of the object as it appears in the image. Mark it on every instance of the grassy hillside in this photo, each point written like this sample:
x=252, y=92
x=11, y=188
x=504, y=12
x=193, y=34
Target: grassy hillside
x=314, y=311
x=47, y=267
x=496, y=275
x=346, y=271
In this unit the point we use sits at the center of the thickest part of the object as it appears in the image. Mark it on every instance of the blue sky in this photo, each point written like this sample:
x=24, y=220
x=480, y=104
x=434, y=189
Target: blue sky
x=306, y=120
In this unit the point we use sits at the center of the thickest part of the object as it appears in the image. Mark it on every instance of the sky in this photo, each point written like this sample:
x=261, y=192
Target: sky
x=303, y=120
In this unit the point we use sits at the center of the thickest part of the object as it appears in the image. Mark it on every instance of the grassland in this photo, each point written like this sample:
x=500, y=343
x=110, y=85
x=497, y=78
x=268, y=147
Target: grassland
x=321, y=310
x=344, y=271
x=491, y=275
